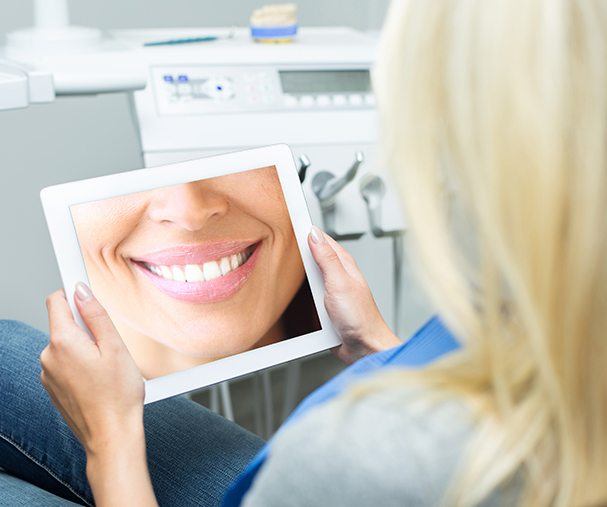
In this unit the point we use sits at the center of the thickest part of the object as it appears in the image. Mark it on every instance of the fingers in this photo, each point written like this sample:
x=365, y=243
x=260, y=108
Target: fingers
x=59, y=314
x=326, y=257
x=95, y=317
x=346, y=259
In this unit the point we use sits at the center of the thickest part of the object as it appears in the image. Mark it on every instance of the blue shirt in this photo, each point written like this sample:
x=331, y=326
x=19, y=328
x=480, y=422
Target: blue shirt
x=427, y=344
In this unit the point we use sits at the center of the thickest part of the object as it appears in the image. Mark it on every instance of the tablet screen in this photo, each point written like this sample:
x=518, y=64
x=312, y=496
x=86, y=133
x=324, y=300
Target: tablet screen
x=199, y=271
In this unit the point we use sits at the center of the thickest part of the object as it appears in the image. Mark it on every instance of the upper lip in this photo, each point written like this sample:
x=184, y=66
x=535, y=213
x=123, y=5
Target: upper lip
x=194, y=254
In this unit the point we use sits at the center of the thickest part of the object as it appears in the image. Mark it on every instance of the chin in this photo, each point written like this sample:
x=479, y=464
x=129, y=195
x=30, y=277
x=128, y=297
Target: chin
x=209, y=349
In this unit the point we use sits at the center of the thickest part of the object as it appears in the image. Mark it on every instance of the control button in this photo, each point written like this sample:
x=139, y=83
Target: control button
x=290, y=101
x=182, y=78
x=355, y=99
x=167, y=78
x=307, y=100
x=323, y=100
x=219, y=88
x=339, y=100
x=370, y=99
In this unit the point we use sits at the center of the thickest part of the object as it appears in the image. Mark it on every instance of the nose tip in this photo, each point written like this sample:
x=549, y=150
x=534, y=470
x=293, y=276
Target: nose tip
x=189, y=206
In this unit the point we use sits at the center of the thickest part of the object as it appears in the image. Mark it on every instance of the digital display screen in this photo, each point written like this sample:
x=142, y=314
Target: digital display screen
x=199, y=271
x=325, y=81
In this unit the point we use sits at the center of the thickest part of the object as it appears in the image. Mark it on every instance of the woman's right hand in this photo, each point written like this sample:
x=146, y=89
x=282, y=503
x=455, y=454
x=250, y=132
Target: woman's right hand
x=349, y=301
x=99, y=390
x=93, y=383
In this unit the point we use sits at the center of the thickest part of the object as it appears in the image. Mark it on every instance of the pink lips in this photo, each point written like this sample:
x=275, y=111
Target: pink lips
x=210, y=291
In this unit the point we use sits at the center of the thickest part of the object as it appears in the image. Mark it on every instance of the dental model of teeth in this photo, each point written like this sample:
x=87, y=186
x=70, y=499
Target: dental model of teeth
x=274, y=23
x=200, y=272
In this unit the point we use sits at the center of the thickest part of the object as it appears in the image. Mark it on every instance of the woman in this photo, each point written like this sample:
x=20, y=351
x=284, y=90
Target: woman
x=181, y=270
x=495, y=117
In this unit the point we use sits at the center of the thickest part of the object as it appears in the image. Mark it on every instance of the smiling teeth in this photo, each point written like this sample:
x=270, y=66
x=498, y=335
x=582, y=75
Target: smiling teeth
x=200, y=272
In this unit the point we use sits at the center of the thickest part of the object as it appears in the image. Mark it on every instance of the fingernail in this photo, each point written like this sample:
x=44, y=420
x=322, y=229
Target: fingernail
x=316, y=235
x=83, y=293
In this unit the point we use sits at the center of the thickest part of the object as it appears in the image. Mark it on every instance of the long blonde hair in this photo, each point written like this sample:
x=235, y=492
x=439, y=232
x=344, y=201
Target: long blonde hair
x=503, y=104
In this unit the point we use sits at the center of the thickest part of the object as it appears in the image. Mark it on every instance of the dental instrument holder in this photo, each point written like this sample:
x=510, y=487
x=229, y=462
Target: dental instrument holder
x=326, y=186
x=373, y=189
x=304, y=163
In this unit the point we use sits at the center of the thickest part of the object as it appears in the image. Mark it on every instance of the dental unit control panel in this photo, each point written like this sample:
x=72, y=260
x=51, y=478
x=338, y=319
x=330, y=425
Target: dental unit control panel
x=194, y=90
x=313, y=94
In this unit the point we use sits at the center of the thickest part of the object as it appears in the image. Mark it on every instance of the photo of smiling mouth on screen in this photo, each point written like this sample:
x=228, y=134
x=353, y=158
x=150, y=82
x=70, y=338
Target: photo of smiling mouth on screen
x=198, y=271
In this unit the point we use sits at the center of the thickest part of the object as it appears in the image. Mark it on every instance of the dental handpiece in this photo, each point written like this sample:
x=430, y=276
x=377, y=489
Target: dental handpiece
x=304, y=163
x=332, y=186
x=373, y=189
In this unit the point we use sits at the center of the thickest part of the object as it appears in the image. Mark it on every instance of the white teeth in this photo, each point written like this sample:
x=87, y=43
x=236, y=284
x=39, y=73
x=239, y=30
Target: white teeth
x=211, y=270
x=165, y=272
x=224, y=265
x=200, y=272
x=234, y=261
x=193, y=273
x=178, y=274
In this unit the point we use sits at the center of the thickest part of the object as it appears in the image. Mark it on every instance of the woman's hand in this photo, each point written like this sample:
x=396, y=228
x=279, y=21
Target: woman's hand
x=99, y=391
x=94, y=384
x=349, y=301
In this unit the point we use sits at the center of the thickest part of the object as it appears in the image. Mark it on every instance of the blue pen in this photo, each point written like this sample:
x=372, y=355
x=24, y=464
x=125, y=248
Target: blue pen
x=187, y=40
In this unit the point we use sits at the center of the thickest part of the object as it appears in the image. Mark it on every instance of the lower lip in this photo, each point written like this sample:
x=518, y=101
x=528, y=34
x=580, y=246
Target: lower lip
x=218, y=289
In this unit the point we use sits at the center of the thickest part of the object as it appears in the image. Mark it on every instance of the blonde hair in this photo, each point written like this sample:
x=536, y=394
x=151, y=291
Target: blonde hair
x=503, y=104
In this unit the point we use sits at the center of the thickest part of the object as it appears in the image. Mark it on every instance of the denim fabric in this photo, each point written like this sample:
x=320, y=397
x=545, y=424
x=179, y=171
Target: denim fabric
x=193, y=454
x=17, y=493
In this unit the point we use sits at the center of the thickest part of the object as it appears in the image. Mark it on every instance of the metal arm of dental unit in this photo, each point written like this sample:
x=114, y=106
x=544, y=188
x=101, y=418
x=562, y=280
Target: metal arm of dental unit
x=326, y=186
x=372, y=190
x=21, y=85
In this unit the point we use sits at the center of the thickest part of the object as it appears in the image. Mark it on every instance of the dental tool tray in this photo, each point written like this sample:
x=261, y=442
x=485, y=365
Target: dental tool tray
x=203, y=266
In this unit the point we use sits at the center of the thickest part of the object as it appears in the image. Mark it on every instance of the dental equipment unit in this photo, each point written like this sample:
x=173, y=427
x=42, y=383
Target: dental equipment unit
x=192, y=100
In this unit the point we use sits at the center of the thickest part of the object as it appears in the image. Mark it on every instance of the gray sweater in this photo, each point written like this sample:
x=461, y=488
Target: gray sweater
x=386, y=449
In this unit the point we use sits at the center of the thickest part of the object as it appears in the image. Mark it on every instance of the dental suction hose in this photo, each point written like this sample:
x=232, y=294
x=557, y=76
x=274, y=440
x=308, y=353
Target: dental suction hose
x=372, y=190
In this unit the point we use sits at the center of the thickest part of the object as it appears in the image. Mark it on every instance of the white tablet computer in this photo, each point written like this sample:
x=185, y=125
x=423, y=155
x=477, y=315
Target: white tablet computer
x=203, y=266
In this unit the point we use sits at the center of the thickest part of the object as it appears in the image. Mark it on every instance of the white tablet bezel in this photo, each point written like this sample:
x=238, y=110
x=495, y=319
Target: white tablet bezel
x=57, y=200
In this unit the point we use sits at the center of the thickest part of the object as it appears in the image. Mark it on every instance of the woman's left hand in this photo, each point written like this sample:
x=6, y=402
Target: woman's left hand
x=349, y=301
x=95, y=384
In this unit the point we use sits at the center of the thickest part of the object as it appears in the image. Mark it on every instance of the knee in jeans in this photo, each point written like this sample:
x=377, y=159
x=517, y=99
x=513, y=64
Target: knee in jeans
x=19, y=342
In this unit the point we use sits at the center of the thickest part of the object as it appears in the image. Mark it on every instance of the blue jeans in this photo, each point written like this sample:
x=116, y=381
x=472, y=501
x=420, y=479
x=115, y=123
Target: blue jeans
x=193, y=454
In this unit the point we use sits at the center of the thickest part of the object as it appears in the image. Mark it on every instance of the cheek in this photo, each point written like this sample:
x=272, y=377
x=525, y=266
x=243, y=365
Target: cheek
x=288, y=265
x=272, y=211
x=100, y=228
x=96, y=246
